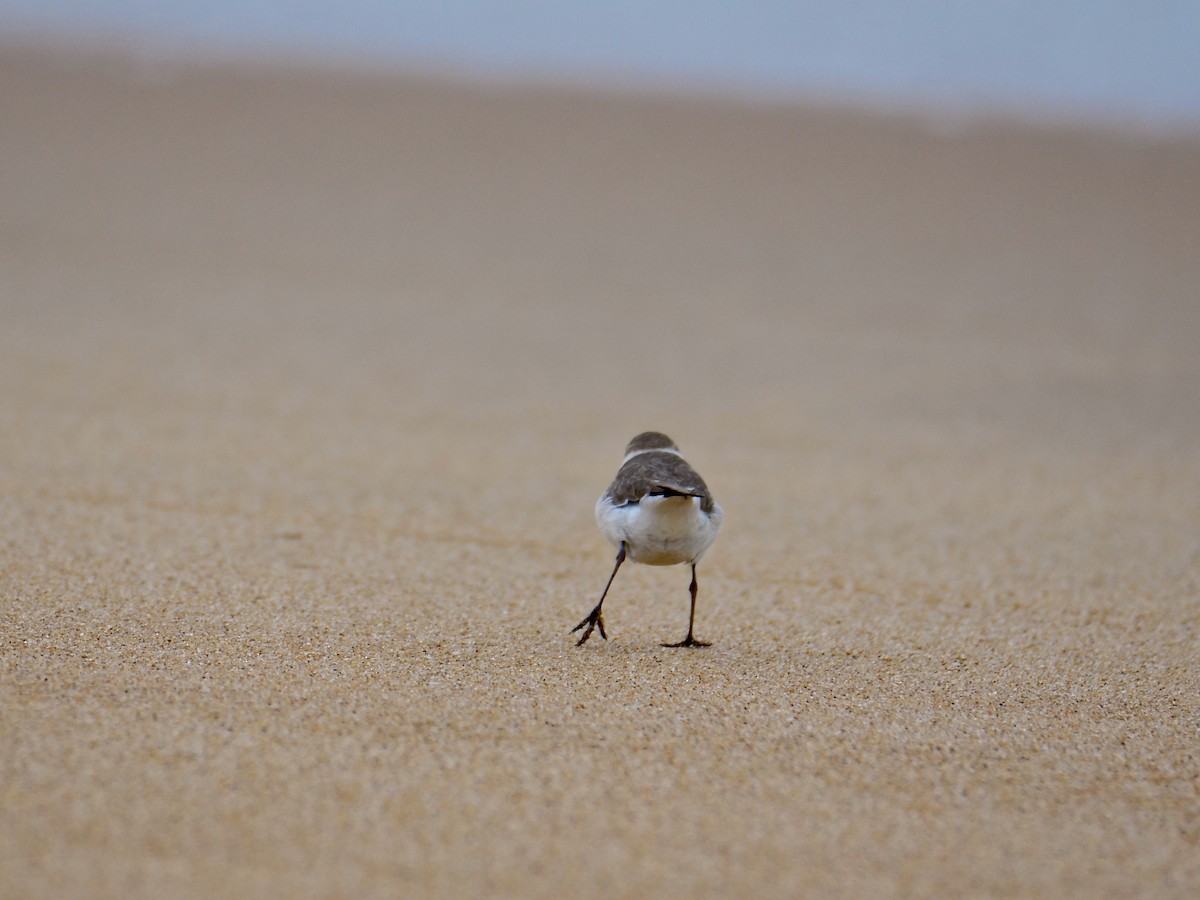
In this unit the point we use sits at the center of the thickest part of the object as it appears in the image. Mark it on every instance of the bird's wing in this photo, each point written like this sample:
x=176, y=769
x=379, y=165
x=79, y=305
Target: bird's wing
x=657, y=473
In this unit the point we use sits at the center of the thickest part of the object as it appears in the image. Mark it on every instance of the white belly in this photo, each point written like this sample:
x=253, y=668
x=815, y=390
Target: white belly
x=660, y=531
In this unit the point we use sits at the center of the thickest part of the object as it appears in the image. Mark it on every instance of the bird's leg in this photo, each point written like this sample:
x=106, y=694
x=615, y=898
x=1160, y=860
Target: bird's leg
x=594, y=618
x=690, y=641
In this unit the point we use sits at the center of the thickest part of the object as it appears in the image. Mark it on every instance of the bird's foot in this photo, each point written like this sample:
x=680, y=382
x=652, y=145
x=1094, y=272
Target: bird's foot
x=689, y=641
x=594, y=620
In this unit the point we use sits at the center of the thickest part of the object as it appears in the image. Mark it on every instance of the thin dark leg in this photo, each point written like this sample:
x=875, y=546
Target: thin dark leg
x=690, y=641
x=594, y=619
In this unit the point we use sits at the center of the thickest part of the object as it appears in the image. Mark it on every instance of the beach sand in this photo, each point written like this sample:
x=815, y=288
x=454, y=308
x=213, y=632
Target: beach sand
x=309, y=382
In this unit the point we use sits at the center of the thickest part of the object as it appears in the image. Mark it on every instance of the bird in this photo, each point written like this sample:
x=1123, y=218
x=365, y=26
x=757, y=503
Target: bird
x=658, y=511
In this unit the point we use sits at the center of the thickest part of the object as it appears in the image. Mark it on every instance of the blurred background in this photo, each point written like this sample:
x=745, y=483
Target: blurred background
x=1113, y=61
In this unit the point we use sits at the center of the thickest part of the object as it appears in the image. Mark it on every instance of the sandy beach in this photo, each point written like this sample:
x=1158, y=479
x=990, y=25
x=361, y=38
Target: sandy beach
x=309, y=382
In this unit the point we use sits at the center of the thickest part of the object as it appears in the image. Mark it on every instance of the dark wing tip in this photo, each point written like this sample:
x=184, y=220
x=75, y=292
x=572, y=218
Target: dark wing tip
x=667, y=491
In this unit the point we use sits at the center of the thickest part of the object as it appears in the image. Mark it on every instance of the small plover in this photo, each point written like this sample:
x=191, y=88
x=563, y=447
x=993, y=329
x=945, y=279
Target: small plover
x=657, y=511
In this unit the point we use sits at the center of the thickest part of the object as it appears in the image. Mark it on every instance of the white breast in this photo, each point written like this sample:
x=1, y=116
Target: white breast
x=660, y=531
